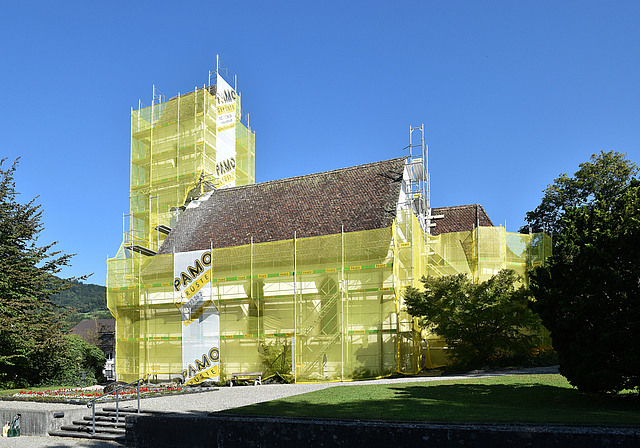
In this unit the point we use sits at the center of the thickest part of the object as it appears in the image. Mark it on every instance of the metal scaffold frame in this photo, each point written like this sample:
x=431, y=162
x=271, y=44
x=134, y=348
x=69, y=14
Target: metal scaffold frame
x=418, y=181
x=336, y=301
x=174, y=155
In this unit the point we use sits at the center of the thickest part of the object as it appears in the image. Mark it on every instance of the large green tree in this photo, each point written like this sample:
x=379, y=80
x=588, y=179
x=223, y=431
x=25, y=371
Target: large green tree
x=476, y=320
x=71, y=361
x=29, y=325
x=588, y=294
x=606, y=175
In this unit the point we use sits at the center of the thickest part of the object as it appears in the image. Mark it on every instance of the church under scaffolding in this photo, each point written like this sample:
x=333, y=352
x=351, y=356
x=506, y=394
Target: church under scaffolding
x=301, y=276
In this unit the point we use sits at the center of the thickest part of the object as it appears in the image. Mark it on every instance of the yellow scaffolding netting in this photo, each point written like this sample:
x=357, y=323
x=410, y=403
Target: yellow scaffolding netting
x=335, y=301
x=173, y=149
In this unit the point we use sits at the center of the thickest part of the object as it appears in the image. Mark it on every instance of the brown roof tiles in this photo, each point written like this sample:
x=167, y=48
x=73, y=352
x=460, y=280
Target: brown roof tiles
x=362, y=197
x=459, y=218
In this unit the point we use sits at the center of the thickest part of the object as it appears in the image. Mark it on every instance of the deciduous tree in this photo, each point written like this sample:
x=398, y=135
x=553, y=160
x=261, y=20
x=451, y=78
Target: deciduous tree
x=476, y=320
x=606, y=175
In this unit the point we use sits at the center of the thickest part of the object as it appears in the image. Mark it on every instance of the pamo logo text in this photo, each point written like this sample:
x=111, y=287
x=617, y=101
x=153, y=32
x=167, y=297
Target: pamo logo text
x=192, y=272
x=207, y=359
x=226, y=166
x=226, y=96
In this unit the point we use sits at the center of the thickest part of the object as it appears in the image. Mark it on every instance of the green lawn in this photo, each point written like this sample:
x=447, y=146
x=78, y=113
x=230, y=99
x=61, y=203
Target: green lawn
x=505, y=399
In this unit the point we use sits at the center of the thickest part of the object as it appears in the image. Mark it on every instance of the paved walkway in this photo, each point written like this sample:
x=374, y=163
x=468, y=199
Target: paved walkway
x=222, y=398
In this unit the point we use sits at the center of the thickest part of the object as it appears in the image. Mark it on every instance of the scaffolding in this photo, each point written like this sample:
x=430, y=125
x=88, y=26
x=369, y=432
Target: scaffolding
x=326, y=308
x=336, y=301
x=179, y=152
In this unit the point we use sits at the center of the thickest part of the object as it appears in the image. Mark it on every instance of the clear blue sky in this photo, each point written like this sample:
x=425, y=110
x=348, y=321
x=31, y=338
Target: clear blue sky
x=511, y=94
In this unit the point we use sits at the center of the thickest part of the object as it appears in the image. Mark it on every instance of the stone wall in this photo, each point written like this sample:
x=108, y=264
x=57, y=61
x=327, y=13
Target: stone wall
x=180, y=430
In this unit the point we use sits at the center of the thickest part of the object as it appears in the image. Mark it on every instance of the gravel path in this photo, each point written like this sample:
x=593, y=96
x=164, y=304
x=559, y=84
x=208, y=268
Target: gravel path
x=218, y=399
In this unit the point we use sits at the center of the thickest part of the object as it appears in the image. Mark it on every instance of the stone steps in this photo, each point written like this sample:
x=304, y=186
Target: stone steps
x=107, y=418
x=83, y=435
x=88, y=427
x=98, y=424
x=107, y=426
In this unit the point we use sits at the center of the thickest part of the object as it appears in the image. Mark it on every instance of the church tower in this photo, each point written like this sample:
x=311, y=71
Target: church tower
x=181, y=149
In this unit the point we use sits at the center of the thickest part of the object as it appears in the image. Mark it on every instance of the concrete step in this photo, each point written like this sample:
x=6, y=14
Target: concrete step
x=89, y=429
x=121, y=419
x=83, y=435
x=111, y=414
x=107, y=426
x=132, y=410
x=98, y=424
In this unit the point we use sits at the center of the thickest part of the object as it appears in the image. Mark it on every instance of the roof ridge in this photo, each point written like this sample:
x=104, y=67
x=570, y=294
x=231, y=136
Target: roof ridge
x=461, y=206
x=290, y=179
x=361, y=197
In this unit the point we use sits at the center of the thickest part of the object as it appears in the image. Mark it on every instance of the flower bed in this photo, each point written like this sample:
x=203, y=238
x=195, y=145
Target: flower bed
x=80, y=395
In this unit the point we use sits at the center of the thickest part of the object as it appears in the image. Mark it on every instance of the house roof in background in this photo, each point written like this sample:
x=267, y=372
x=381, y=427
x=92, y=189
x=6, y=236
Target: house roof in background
x=460, y=218
x=87, y=325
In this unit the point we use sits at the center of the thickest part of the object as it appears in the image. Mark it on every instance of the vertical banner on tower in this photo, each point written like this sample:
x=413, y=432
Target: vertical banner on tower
x=226, y=134
x=200, y=317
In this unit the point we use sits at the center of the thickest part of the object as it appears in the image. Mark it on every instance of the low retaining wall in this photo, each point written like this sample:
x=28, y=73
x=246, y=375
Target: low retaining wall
x=215, y=430
x=39, y=422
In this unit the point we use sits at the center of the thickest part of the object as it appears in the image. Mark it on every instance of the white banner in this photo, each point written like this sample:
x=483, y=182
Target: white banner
x=200, y=317
x=226, y=134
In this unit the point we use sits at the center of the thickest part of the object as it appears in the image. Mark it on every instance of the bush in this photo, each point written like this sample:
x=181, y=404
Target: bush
x=501, y=359
x=588, y=294
x=477, y=321
x=68, y=359
x=275, y=357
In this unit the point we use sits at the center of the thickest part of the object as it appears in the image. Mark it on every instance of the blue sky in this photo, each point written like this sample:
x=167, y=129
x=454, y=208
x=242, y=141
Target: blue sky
x=511, y=94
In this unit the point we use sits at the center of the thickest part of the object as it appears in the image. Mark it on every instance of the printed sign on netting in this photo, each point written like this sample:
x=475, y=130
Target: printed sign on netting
x=226, y=134
x=200, y=317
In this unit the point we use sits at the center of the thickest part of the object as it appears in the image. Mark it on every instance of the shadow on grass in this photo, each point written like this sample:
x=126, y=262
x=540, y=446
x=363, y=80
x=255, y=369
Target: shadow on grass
x=497, y=403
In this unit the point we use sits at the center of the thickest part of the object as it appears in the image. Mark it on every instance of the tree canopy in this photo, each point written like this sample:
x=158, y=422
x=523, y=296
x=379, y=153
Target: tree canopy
x=476, y=320
x=69, y=358
x=588, y=294
x=29, y=324
x=605, y=175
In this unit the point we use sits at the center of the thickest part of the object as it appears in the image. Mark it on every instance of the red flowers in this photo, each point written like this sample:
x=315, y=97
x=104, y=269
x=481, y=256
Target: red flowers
x=89, y=393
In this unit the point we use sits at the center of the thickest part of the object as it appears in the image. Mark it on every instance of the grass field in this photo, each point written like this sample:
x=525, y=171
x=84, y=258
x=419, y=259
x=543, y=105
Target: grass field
x=504, y=399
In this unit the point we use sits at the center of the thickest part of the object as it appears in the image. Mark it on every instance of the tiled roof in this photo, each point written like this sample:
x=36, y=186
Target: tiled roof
x=459, y=218
x=101, y=325
x=362, y=197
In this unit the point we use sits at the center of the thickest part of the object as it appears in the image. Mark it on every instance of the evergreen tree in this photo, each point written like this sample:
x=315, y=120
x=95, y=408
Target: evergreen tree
x=588, y=295
x=29, y=325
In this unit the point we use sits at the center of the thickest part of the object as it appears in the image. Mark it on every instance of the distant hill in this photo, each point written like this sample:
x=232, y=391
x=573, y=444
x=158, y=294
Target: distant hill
x=86, y=297
x=88, y=300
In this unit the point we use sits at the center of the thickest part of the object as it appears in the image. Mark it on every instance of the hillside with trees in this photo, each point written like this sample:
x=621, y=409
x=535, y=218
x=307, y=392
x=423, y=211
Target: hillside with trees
x=84, y=301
